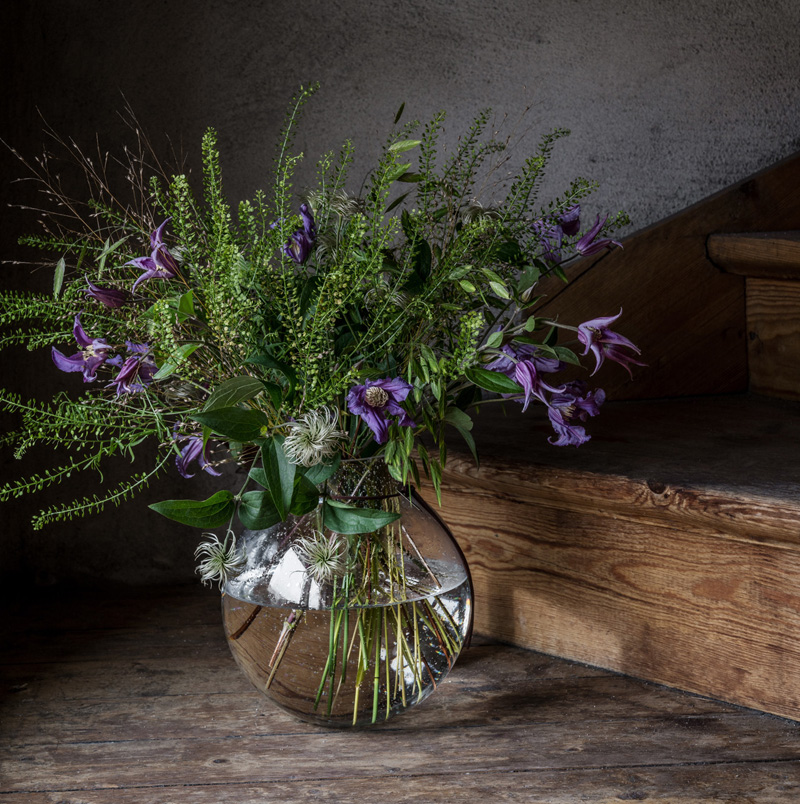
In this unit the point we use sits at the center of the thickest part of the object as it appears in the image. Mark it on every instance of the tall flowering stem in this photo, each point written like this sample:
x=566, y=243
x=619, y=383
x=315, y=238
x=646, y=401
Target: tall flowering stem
x=358, y=319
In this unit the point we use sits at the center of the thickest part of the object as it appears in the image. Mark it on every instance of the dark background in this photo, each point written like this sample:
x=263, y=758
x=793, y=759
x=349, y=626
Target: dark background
x=668, y=102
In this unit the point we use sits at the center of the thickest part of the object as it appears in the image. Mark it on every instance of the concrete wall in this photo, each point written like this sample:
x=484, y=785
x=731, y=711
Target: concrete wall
x=667, y=101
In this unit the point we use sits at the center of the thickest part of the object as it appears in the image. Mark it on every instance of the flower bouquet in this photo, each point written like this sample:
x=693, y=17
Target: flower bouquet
x=327, y=346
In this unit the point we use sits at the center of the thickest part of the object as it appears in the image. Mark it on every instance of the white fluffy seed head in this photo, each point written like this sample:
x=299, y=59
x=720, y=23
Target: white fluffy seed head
x=314, y=437
x=324, y=557
x=221, y=559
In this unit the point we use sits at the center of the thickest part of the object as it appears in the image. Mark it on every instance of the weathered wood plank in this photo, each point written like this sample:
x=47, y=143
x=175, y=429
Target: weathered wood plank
x=463, y=700
x=714, y=617
x=667, y=548
x=734, y=783
x=386, y=752
x=507, y=726
x=773, y=323
x=772, y=255
x=723, y=465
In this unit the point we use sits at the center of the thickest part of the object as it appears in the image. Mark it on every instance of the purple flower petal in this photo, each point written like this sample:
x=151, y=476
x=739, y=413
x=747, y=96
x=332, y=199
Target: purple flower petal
x=373, y=406
x=107, y=296
x=73, y=363
x=573, y=404
x=588, y=245
x=604, y=343
x=570, y=220
x=94, y=352
x=161, y=264
x=193, y=451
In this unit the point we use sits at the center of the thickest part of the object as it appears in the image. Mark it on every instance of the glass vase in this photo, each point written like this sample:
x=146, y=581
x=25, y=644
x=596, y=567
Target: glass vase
x=350, y=630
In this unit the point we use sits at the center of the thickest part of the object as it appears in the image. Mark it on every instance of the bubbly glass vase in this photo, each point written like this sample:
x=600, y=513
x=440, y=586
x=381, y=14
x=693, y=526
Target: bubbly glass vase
x=350, y=630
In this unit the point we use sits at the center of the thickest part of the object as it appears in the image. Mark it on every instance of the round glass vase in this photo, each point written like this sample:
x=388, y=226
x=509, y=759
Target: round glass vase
x=350, y=630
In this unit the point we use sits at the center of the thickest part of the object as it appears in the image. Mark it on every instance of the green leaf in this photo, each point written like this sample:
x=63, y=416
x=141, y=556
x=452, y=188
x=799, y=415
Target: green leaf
x=508, y=251
x=321, y=472
x=175, y=359
x=343, y=518
x=397, y=201
x=109, y=249
x=567, y=355
x=265, y=359
x=458, y=418
x=528, y=278
x=234, y=423
x=58, y=277
x=492, y=381
x=530, y=324
x=467, y=436
x=399, y=113
x=305, y=497
x=495, y=340
x=233, y=391
x=429, y=356
x=467, y=285
x=279, y=474
x=186, y=306
x=500, y=290
x=395, y=173
x=410, y=178
x=257, y=511
x=210, y=513
x=403, y=145
x=259, y=475
x=275, y=394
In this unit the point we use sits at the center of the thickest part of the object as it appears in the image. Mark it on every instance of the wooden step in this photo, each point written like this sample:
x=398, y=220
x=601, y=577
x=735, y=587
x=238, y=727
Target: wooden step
x=768, y=255
x=770, y=261
x=667, y=548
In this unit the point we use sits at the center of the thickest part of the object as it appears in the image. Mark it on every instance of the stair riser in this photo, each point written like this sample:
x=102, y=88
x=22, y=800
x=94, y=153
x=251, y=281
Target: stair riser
x=773, y=324
x=714, y=615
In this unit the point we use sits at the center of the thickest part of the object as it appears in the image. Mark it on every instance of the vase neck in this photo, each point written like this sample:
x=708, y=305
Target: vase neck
x=362, y=480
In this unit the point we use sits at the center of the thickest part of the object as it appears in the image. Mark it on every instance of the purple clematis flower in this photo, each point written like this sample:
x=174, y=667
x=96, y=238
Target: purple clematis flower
x=375, y=400
x=570, y=220
x=193, y=451
x=136, y=372
x=605, y=343
x=298, y=247
x=523, y=365
x=94, y=352
x=107, y=296
x=588, y=244
x=574, y=404
x=551, y=235
x=161, y=264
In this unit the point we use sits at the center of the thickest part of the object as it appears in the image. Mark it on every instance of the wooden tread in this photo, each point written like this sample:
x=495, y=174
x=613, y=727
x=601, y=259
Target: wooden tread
x=768, y=255
x=668, y=547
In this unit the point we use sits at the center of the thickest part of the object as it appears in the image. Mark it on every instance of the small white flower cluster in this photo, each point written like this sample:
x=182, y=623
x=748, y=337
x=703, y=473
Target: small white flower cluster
x=222, y=559
x=314, y=437
x=325, y=557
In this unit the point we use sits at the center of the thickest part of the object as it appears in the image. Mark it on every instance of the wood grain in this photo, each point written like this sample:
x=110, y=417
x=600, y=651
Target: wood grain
x=734, y=783
x=767, y=255
x=508, y=726
x=773, y=323
x=667, y=548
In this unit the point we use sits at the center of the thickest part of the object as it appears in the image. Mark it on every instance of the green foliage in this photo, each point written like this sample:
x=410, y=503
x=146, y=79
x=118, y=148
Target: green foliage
x=413, y=278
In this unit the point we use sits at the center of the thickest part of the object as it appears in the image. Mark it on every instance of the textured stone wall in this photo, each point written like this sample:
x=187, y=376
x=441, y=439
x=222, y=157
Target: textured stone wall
x=667, y=102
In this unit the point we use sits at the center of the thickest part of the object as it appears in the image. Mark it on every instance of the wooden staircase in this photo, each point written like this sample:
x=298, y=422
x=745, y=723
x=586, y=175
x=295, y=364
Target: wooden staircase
x=667, y=548
x=770, y=263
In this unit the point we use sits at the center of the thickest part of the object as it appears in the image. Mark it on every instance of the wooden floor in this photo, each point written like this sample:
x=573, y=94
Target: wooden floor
x=135, y=699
